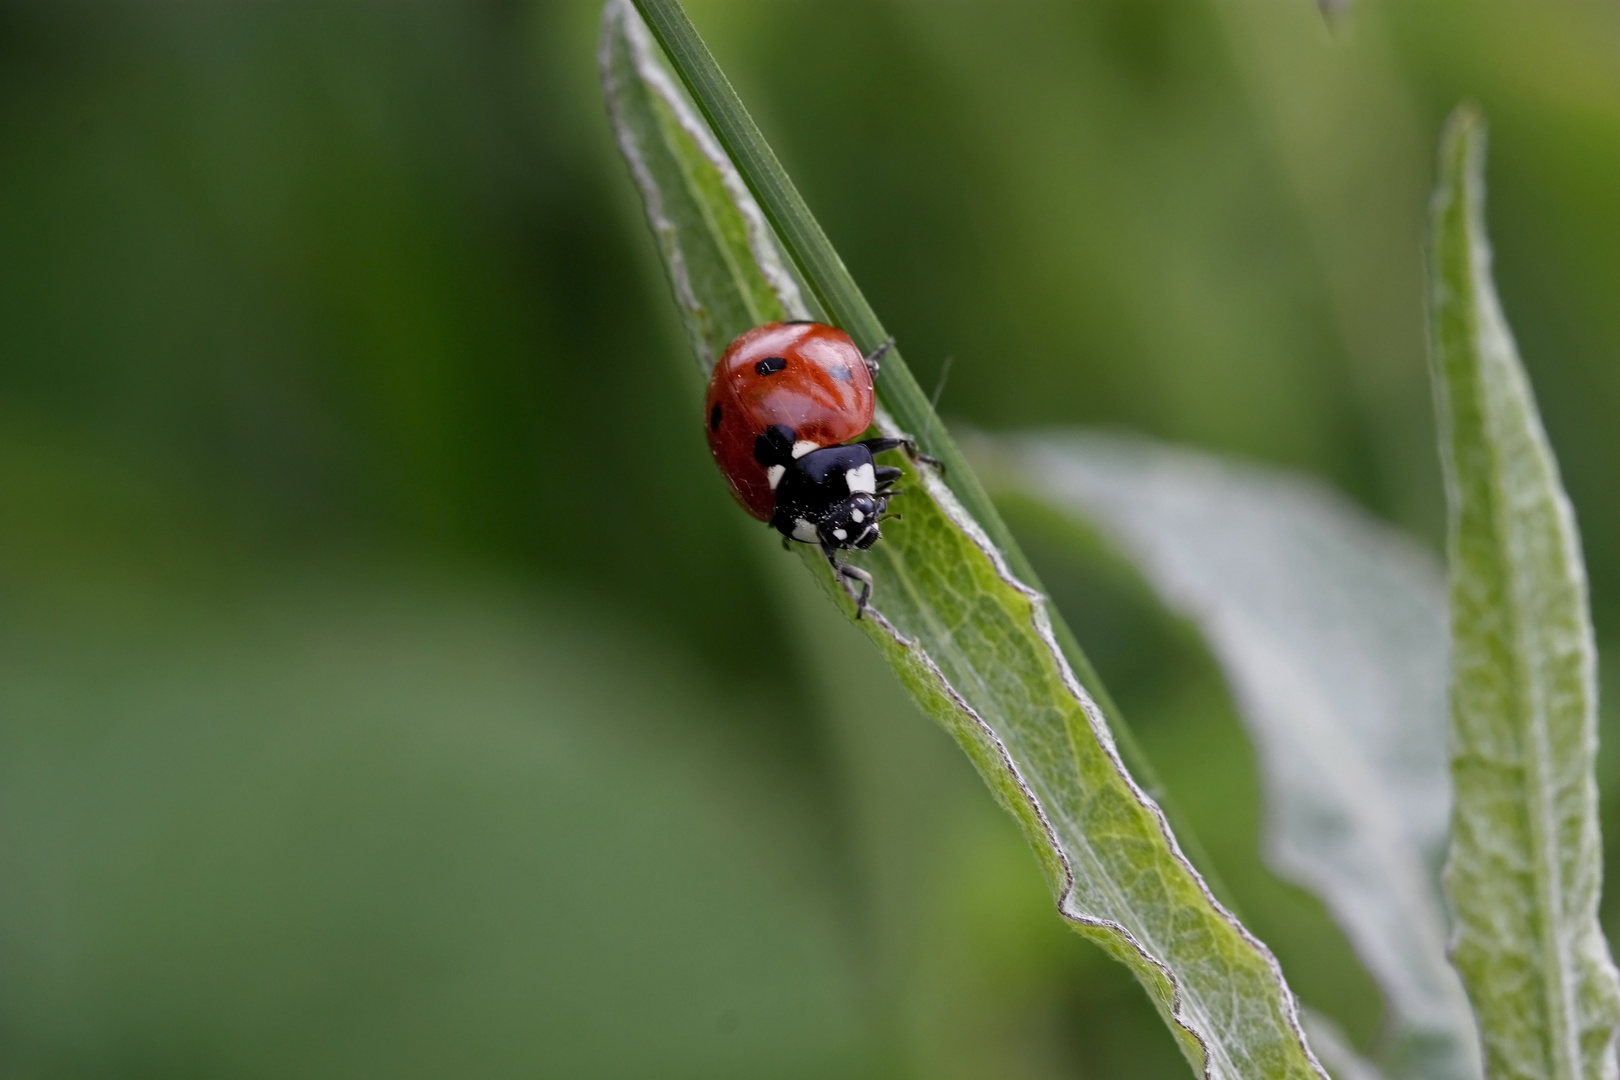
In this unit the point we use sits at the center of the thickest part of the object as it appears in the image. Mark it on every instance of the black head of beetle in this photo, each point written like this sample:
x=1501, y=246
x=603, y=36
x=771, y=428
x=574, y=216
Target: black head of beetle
x=832, y=496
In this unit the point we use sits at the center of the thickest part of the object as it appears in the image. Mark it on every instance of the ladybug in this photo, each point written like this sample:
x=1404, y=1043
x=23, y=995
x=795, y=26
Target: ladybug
x=784, y=404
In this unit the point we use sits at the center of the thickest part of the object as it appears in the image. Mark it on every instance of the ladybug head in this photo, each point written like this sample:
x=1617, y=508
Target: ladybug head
x=853, y=522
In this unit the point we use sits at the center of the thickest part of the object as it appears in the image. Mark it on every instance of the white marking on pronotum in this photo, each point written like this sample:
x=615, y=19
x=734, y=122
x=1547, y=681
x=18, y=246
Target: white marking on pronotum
x=803, y=447
x=804, y=531
x=774, y=474
x=858, y=516
x=862, y=479
x=841, y=534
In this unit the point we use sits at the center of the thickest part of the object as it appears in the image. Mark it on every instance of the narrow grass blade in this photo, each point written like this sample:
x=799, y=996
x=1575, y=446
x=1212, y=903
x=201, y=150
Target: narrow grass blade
x=1525, y=866
x=1331, y=629
x=967, y=634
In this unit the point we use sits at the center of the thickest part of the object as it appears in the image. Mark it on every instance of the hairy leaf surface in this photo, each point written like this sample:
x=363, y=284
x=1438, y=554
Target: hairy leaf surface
x=971, y=640
x=1525, y=867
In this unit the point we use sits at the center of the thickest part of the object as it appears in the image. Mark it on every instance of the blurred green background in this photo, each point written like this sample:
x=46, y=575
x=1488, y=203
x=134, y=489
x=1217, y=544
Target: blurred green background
x=388, y=686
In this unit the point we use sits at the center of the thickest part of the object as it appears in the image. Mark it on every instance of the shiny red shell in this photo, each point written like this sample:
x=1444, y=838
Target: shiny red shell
x=823, y=391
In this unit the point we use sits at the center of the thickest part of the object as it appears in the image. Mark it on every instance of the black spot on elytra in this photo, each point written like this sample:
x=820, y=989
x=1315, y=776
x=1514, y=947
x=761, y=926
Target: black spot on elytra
x=714, y=417
x=770, y=365
x=842, y=373
x=775, y=447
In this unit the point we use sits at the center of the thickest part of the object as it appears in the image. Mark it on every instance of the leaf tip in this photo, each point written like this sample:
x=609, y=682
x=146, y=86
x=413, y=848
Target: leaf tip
x=1462, y=144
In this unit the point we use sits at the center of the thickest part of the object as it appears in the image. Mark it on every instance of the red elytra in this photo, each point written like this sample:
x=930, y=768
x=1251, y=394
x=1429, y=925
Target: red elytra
x=822, y=389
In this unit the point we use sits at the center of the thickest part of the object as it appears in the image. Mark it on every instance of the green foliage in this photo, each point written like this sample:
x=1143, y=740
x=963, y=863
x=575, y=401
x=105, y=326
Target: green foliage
x=1525, y=866
x=1331, y=630
x=973, y=643
x=372, y=614
x=977, y=649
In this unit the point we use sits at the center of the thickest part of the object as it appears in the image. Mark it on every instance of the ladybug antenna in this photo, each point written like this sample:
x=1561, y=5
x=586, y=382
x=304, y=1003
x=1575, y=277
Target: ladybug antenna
x=933, y=406
x=939, y=387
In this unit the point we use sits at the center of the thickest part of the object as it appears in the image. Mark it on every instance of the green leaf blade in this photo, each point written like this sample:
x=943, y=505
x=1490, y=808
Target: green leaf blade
x=1525, y=867
x=1331, y=630
x=958, y=621
x=966, y=633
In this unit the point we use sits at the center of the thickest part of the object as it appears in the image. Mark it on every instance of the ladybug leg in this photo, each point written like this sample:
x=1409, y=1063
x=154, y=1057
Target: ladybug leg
x=887, y=476
x=874, y=361
x=846, y=574
x=909, y=445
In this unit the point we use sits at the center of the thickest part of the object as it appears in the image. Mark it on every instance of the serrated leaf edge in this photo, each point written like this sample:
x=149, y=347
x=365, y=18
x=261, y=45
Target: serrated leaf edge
x=1029, y=463
x=1042, y=624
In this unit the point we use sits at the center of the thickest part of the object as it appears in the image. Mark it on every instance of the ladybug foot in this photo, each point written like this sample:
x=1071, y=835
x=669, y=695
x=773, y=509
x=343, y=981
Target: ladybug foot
x=874, y=360
x=909, y=445
x=849, y=576
x=916, y=455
